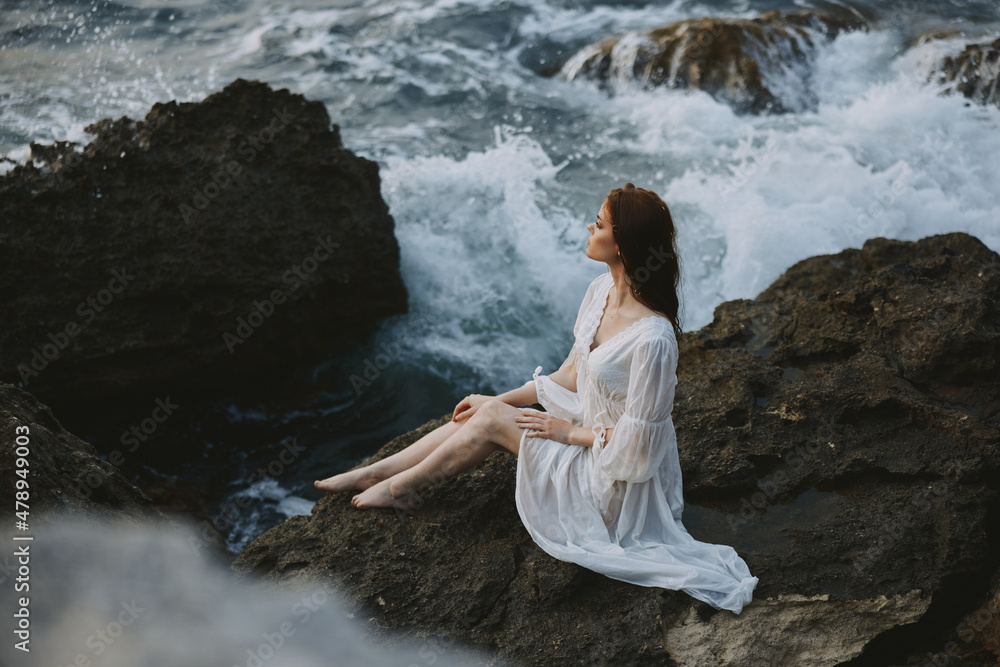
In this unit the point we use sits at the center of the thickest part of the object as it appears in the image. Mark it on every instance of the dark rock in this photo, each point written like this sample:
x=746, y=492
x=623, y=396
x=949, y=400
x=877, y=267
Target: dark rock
x=65, y=477
x=208, y=213
x=919, y=39
x=975, y=73
x=733, y=60
x=841, y=431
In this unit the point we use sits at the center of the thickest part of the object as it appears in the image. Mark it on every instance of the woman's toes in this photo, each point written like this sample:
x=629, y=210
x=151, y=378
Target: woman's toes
x=375, y=496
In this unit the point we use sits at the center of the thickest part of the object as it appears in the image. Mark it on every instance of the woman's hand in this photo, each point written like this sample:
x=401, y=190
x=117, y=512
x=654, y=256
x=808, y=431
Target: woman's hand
x=545, y=425
x=468, y=406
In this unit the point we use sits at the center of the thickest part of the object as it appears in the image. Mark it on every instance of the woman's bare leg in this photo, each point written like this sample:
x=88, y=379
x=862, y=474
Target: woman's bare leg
x=363, y=478
x=491, y=428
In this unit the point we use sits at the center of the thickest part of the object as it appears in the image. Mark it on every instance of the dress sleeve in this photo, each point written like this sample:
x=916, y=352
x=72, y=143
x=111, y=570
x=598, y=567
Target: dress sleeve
x=555, y=398
x=642, y=435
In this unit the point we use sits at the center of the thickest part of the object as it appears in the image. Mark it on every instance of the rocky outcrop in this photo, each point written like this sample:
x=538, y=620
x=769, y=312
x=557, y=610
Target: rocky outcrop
x=210, y=242
x=64, y=478
x=975, y=73
x=841, y=431
x=738, y=61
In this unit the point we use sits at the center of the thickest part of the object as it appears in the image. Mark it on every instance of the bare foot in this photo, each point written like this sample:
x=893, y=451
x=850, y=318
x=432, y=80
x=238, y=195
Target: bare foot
x=379, y=495
x=353, y=480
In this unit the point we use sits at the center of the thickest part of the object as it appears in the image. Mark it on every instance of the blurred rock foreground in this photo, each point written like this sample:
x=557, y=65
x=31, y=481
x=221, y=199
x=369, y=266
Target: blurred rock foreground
x=841, y=431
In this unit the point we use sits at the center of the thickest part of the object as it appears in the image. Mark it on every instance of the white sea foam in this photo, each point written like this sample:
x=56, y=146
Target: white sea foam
x=882, y=155
x=751, y=194
x=264, y=502
x=488, y=263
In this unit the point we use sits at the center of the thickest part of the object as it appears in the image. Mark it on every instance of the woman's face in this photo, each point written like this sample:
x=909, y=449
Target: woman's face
x=601, y=244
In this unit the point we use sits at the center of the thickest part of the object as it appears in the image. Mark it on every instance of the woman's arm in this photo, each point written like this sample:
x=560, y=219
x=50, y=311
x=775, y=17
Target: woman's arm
x=565, y=377
x=523, y=395
x=584, y=437
x=545, y=425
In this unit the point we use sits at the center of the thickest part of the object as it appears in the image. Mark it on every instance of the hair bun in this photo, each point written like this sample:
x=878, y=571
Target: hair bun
x=629, y=186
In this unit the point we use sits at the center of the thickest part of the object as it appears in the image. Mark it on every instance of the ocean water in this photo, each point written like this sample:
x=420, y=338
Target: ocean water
x=494, y=165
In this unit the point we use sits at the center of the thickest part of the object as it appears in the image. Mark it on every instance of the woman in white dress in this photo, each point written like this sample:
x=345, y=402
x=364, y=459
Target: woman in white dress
x=598, y=475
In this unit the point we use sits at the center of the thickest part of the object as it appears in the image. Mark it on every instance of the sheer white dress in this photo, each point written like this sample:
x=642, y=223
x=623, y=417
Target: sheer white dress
x=615, y=508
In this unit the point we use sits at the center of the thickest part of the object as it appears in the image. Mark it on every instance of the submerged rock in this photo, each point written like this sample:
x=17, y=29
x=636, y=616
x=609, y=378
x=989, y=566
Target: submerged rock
x=975, y=73
x=756, y=65
x=841, y=431
x=209, y=243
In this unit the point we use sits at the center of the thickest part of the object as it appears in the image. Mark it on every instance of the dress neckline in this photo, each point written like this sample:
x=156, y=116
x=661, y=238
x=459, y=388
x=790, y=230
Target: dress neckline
x=600, y=316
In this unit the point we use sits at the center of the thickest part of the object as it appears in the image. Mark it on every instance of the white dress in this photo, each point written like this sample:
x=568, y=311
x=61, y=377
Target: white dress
x=615, y=507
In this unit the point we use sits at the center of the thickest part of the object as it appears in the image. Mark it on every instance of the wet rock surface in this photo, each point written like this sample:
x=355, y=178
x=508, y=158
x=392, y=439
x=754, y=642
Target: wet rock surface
x=209, y=243
x=841, y=431
x=739, y=61
x=975, y=73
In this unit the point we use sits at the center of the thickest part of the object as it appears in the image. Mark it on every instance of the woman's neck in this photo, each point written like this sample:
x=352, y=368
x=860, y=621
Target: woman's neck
x=622, y=300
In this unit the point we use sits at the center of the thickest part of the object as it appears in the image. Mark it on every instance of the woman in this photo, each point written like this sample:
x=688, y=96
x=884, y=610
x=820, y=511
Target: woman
x=598, y=475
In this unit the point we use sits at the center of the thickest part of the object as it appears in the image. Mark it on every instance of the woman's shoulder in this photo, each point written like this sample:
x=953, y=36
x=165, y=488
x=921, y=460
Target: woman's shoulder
x=654, y=330
x=654, y=344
